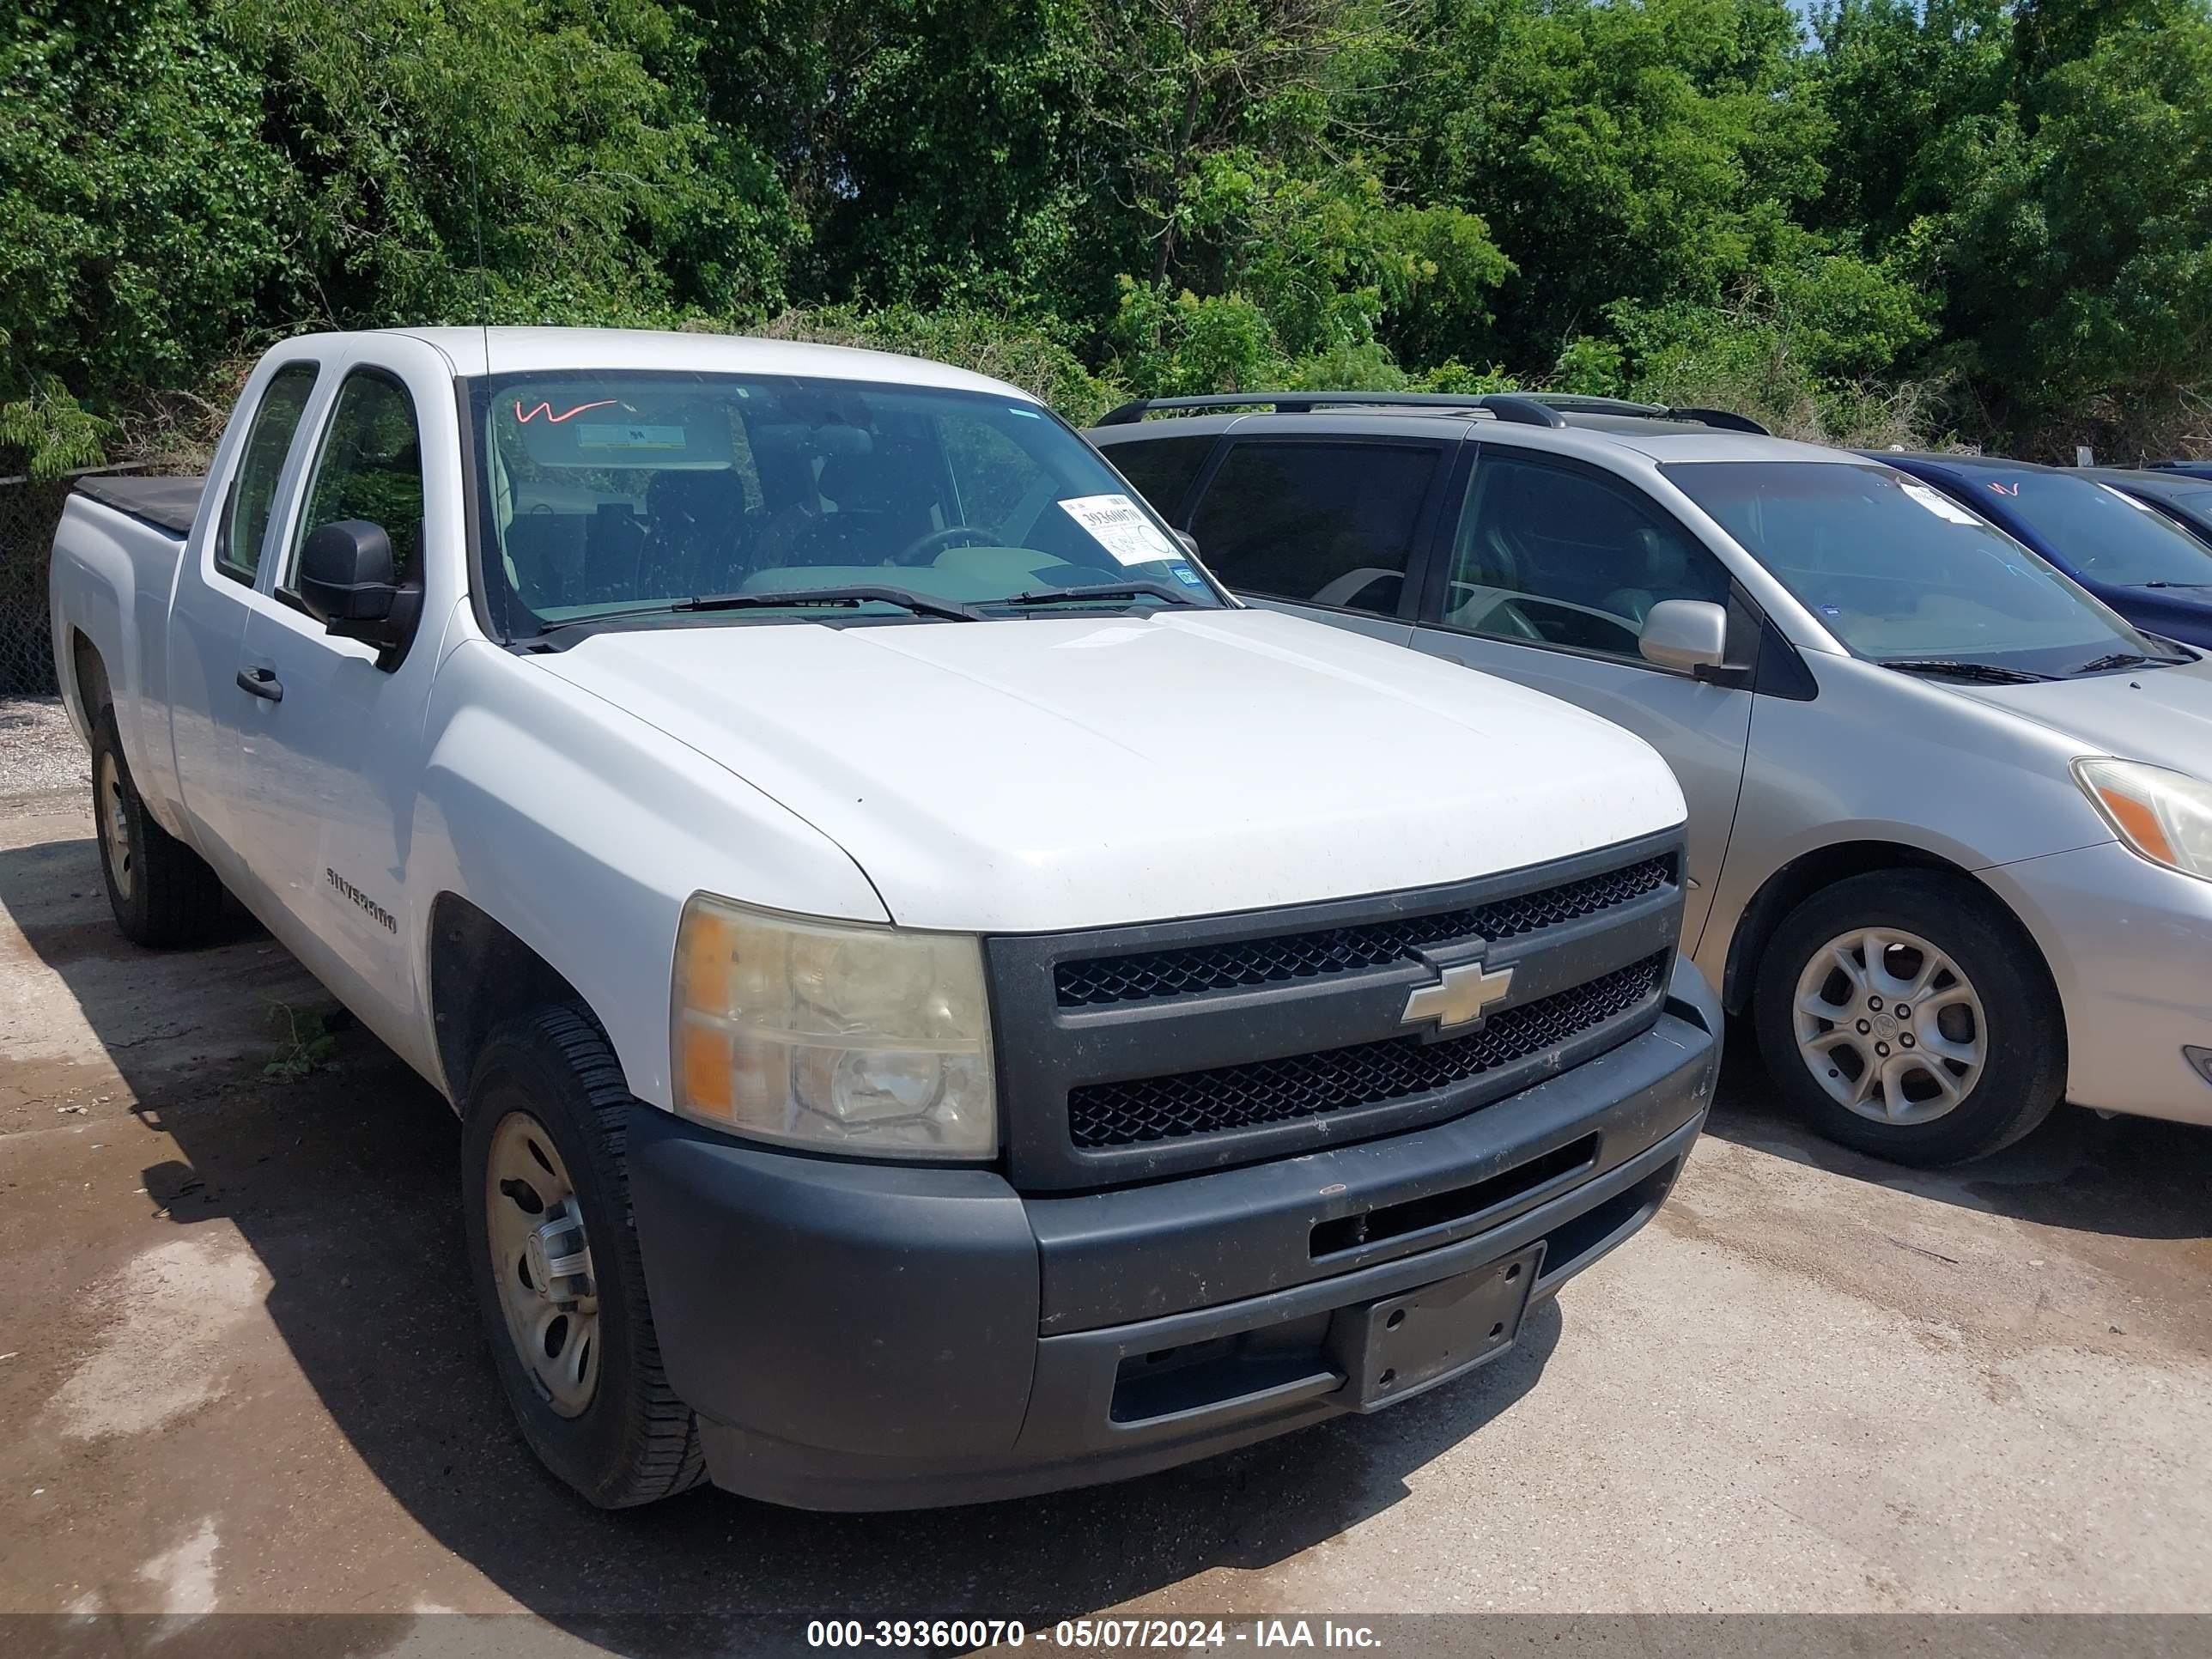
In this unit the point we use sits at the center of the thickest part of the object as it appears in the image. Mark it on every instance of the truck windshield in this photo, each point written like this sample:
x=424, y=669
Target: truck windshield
x=624, y=494
x=1897, y=571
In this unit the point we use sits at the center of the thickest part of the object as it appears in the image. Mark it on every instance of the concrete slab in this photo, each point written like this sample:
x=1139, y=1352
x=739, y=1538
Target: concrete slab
x=240, y=1371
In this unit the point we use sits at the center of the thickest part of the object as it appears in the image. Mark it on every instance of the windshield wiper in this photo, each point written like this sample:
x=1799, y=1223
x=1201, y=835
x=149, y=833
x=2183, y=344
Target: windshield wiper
x=2127, y=659
x=1107, y=590
x=1989, y=672
x=920, y=604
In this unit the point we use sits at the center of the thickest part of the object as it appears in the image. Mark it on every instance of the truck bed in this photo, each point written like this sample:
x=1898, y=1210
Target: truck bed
x=165, y=503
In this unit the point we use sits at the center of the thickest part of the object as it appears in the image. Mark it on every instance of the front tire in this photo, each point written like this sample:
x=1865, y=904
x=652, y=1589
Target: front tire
x=1905, y=1013
x=559, y=1281
x=162, y=893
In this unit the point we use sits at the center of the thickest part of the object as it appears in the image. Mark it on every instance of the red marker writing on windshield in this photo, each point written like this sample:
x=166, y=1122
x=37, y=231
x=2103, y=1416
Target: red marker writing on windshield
x=552, y=419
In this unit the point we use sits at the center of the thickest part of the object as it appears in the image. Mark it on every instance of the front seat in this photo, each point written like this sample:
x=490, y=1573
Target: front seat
x=1667, y=571
x=696, y=533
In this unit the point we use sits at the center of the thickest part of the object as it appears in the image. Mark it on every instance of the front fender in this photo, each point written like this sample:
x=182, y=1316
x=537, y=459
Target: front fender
x=582, y=831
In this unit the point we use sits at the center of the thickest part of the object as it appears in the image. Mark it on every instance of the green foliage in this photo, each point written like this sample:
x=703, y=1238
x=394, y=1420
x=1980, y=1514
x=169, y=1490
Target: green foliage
x=1179, y=346
x=310, y=1042
x=1455, y=377
x=1592, y=367
x=138, y=225
x=1759, y=358
x=978, y=340
x=1993, y=215
x=53, y=431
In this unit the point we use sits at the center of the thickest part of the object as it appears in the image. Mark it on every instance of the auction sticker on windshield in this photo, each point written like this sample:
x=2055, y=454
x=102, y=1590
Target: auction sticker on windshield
x=1941, y=505
x=1119, y=525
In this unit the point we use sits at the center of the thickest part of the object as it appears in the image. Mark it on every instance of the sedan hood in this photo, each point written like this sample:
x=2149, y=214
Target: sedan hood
x=1040, y=774
x=2162, y=715
x=2179, y=613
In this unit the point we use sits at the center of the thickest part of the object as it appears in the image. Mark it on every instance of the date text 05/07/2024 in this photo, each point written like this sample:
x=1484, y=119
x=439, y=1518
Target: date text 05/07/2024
x=1089, y=1634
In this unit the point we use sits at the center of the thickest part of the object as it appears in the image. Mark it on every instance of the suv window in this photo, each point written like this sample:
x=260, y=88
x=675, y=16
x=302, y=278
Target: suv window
x=1555, y=555
x=1162, y=469
x=1327, y=524
x=238, y=549
x=371, y=468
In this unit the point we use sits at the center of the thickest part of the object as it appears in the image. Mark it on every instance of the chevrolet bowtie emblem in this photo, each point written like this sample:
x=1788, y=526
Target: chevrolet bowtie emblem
x=1460, y=997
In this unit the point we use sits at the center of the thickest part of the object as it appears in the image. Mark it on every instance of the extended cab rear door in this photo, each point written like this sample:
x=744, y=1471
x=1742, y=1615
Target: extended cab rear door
x=330, y=754
x=214, y=591
x=1546, y=580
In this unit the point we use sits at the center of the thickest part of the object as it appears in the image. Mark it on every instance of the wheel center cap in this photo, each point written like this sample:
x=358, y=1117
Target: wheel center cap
x=1886, y=1025
x=541, y=1266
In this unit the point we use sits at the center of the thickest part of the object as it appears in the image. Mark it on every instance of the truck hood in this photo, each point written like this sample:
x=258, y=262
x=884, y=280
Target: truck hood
x=1042, y=774
x=2162, y=715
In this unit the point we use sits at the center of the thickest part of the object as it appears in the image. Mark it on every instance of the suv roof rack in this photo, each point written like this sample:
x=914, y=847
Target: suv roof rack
x=1504, y=406
x=1572, y=403
x=1522, y=407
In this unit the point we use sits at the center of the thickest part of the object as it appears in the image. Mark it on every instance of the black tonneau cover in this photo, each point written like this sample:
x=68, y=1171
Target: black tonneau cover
x=166, y=503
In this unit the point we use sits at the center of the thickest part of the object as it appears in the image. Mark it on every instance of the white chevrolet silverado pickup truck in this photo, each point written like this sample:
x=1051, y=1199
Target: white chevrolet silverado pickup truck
x=943, y=1001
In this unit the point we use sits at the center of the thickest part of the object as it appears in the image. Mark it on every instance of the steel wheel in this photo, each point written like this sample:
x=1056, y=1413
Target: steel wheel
x=114, y=816
x=1890, y=1026
x=542, y=1263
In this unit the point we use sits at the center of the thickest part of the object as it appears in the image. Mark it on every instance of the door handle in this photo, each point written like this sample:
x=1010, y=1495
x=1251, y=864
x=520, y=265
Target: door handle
x=262, y=683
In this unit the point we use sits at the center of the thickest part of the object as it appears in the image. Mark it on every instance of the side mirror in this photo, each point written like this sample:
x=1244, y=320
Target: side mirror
x=347, y=580
x=1189, y=542
x=1685, y=634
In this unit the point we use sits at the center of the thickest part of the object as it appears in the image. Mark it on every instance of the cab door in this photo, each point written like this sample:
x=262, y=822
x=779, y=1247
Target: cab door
x=330, y=754
x=1547, y=580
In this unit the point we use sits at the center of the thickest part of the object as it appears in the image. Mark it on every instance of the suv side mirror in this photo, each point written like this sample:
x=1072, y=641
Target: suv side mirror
x=1685, y=634
x=1189, y=542
x=347, y=581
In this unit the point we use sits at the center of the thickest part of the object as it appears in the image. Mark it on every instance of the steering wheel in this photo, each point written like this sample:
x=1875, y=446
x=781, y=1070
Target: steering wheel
x=922, y=548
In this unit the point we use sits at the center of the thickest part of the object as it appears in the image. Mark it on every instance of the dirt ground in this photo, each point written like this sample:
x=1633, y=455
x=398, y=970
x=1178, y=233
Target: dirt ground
x=240, y=1371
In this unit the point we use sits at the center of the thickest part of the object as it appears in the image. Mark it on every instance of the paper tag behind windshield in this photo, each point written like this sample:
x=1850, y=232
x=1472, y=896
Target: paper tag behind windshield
x=1119, y=525
x=1942, y=506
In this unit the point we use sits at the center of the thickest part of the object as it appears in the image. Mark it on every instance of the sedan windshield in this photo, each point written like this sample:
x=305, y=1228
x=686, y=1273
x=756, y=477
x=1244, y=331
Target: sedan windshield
x=2106, y=535
x=2189, y=498
x=1897, y=571
x=637, y=495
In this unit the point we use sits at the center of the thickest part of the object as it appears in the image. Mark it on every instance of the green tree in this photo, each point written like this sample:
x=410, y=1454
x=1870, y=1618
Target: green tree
x=140, y=233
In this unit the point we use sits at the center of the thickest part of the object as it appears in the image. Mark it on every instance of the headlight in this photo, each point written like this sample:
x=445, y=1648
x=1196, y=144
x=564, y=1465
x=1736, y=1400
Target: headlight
x=839, y=1037
x=2164, y=816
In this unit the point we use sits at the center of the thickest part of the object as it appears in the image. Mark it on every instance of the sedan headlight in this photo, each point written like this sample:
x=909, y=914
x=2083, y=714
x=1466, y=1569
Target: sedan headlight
x=2164, y=816
x=834, y=1036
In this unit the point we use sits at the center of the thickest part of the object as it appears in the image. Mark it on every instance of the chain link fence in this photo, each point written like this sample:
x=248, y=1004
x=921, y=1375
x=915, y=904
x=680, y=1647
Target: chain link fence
x=28, y=512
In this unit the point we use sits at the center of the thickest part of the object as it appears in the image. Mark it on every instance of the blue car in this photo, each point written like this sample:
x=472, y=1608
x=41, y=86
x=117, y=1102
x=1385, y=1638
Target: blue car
x=2186, y=469
x=2123, y=550
x=2182, y=497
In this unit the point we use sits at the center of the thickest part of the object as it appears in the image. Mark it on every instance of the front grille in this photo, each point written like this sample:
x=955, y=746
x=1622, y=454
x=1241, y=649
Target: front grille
x=1308, y=1085
x=1096, y=981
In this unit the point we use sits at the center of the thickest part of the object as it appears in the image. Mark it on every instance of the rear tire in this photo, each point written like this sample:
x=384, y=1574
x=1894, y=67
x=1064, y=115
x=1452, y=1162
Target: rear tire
x=544, y=1187
x=162, y=893
x=1950, y=1044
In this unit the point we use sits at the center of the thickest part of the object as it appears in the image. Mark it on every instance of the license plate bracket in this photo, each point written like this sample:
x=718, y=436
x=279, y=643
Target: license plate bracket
x=1401, y=1344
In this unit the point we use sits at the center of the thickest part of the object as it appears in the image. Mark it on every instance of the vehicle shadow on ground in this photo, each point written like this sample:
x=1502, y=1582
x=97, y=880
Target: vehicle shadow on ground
x=344, y=1184
x=2126, y=1178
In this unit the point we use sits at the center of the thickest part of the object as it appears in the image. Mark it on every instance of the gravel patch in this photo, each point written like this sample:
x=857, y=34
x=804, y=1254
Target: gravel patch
x=39, y=750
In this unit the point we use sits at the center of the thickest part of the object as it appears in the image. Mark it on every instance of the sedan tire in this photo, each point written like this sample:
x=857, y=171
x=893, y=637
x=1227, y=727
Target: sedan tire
x=1907, y=1014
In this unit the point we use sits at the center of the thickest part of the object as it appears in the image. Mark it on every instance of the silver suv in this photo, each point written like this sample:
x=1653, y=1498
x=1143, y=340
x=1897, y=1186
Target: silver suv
x=1950, y=833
